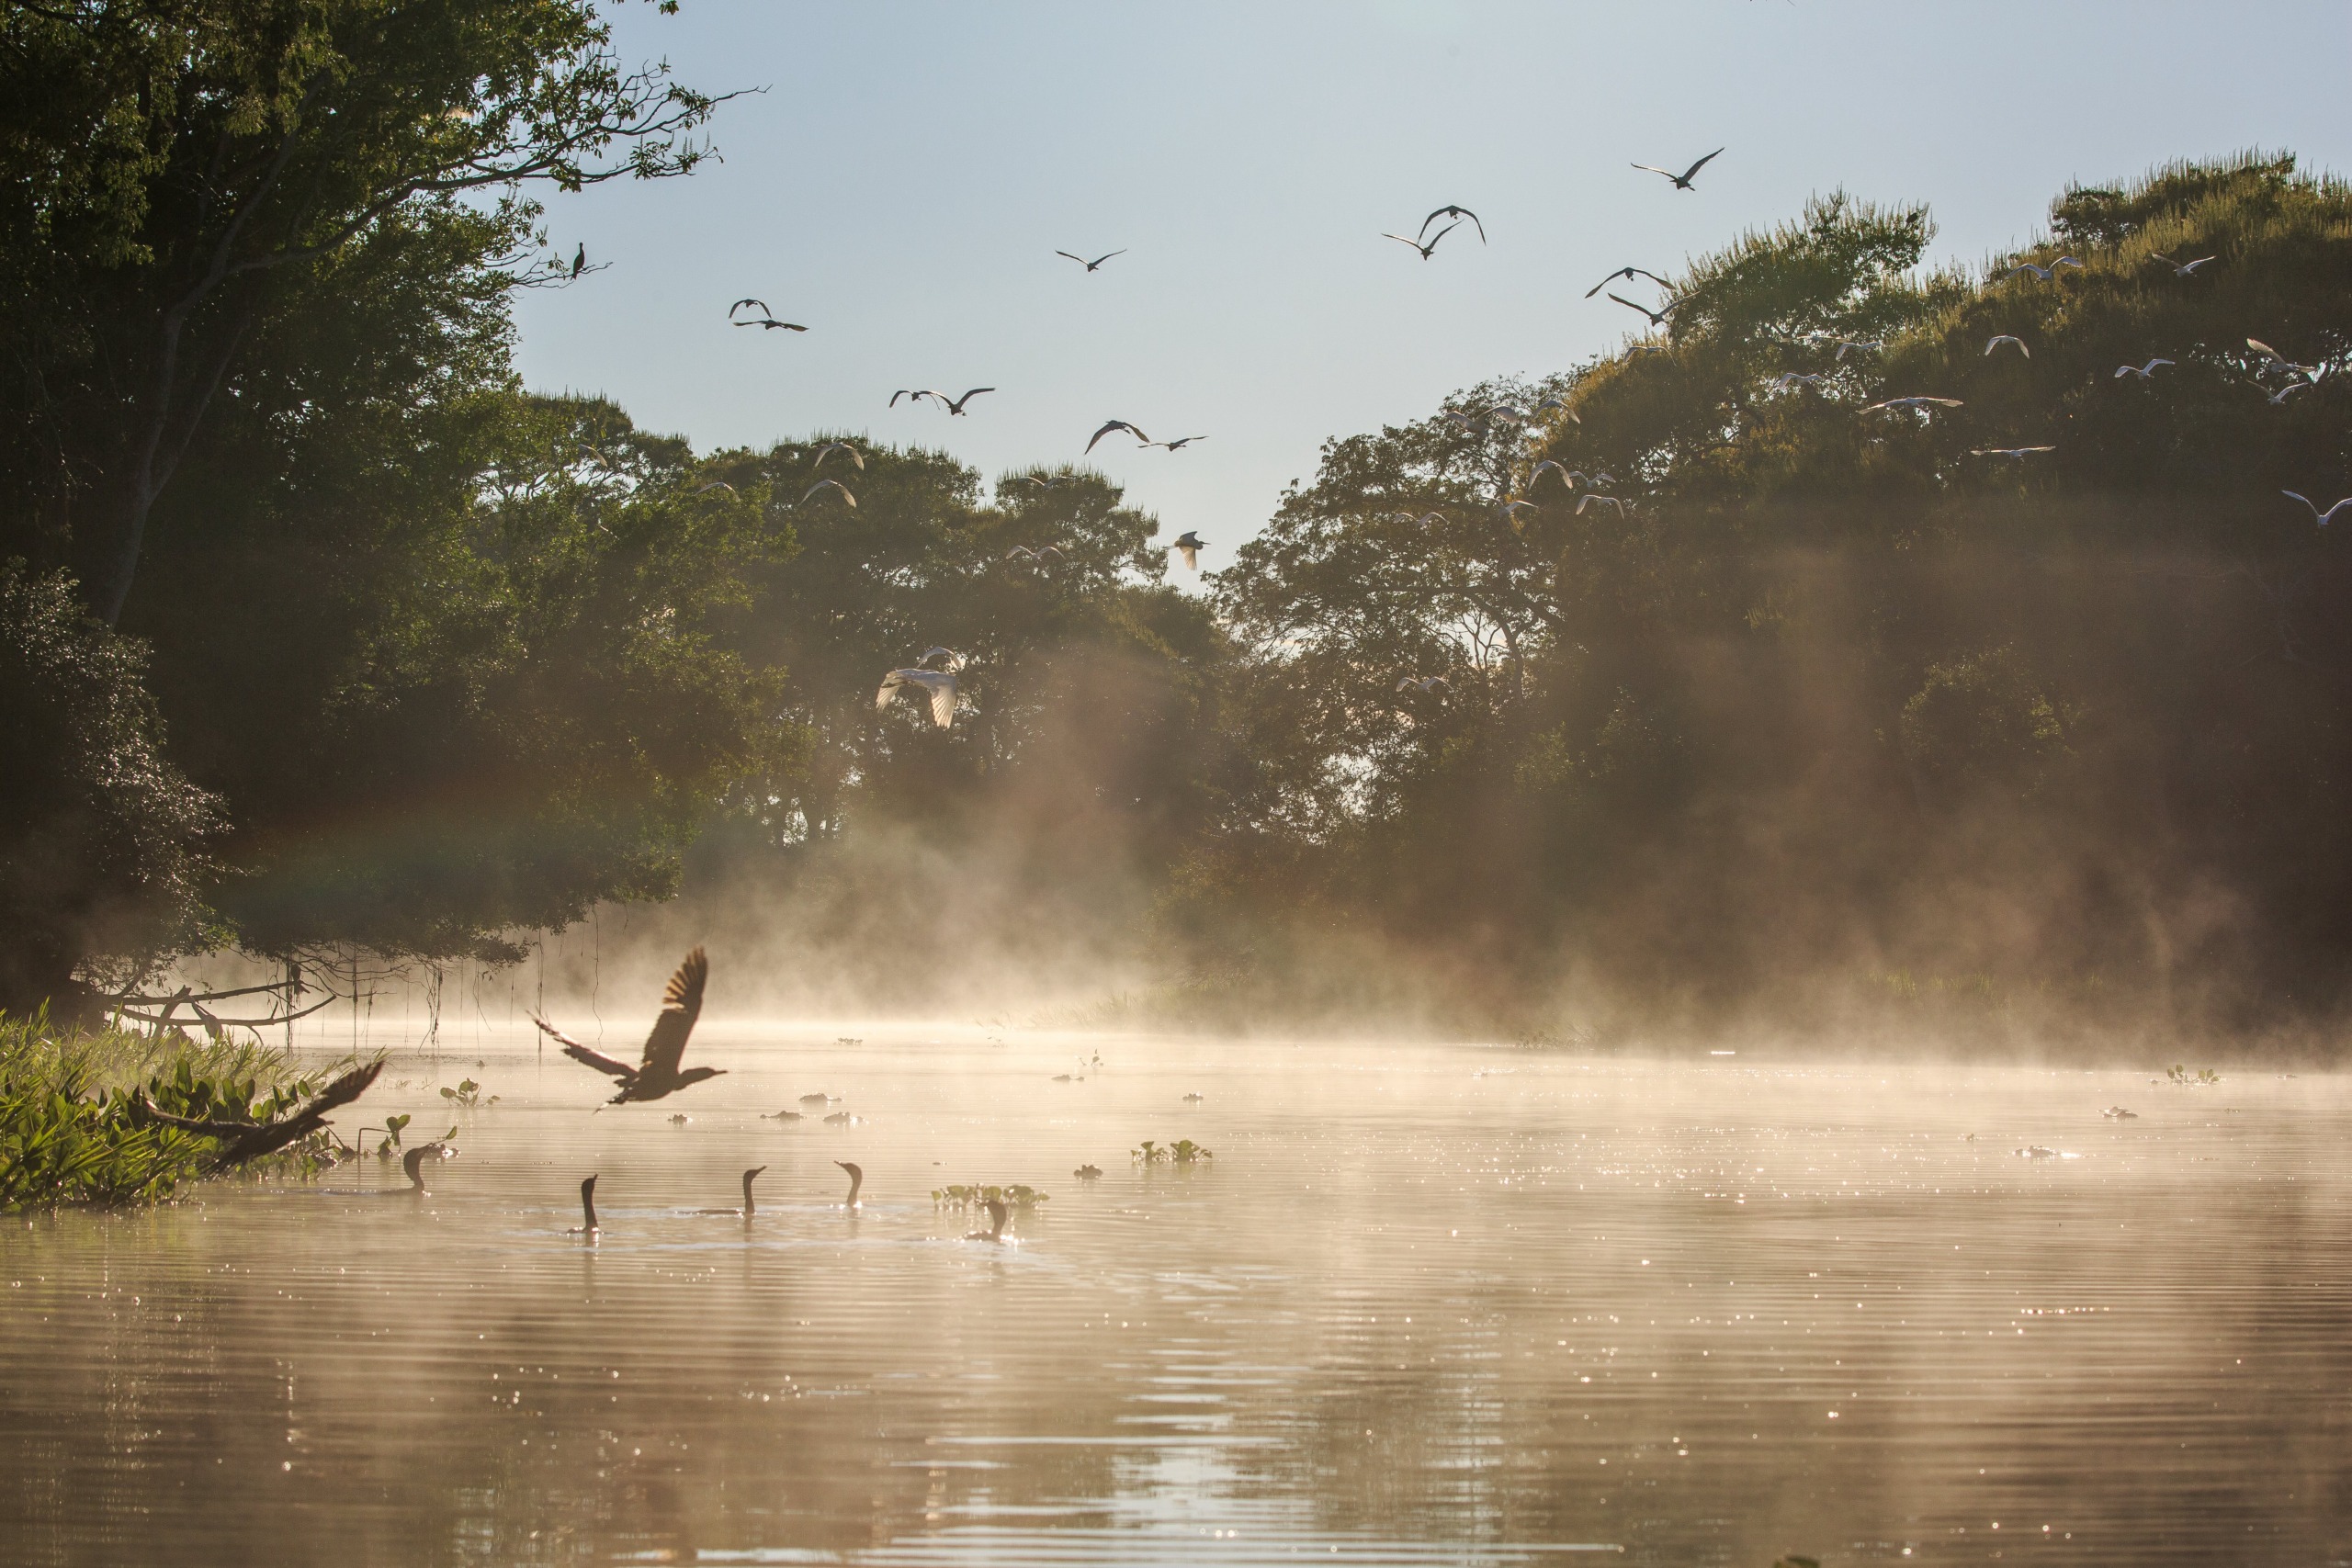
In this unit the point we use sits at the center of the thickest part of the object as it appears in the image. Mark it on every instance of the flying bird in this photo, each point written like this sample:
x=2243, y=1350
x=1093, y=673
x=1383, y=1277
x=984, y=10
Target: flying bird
x=937, y=682
x=2044, y=273
x=1425, y=250
x=2141, y=371
x=1425, y=684
x=1111, y=424
x=1179, y=444
x=905, y=393
x=771, y=323
x=954, y=660
x=2283, y=393
x=1190, y=544
x=2324, y=518
x=658, y=1073
x=764, y=308
x=829, y=484
x=1788, y=378
x=1457, y=214
x=715, y=484
x=955, y=405
x=2015, y=454
x=1859, y=345
x=844, y=448
x=1044, y=481
x=1022, y=552
x=1628, y=274
x=1657, y=318
x=1568, y=477
x=1551, y=405
x=1928, y=404
x=1094, y=265
x=1683, y=181
x=1586, y=499
x=2179, y=269
x=1510, y=510
x=1992, y=343
x=2272, y=356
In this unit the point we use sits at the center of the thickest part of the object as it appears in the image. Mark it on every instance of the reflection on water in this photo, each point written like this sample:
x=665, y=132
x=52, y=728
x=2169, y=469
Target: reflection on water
x=1457, y=1305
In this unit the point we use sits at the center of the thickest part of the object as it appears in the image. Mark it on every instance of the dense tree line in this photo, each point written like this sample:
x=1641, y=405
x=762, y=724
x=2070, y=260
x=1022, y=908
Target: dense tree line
x=325, y=633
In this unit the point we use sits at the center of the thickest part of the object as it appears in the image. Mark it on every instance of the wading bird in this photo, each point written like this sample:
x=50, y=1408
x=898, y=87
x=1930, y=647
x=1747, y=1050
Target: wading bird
x=2179, y=269
x=587, y=1226
x=1111, y=424
x=1416, y=244
x=1190, y=544
x=658, y=1073
x=1457, y=214
x=1657, y=318
x=412, y=1162
x=1094, y=265
x=2324, y=518
x=856, y=1180
x=844, y=448
x=1628, y=274
x=998, y=1214
x=2141, y=371
x=1425, y=684
x=955, y=405
x=940, y=685
x=2044, y=273
x=745, y=1212
x=1683, y=181
x=810, y=492
x=2015, y=454
x=1998, y=339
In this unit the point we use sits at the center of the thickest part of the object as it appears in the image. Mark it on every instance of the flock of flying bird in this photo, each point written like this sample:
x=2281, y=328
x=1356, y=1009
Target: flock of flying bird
x=937, y=685
x=657, y=1075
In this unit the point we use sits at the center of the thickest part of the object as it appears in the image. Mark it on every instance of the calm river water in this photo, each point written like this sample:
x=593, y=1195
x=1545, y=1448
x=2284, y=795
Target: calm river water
x=1426, y=1305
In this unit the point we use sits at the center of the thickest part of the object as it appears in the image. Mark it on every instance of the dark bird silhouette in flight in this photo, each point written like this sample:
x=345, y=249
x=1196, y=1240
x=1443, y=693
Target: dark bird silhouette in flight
x=771, y=323
x=1094, y=265
x=658, y=1073
x=1416, y=244
x=1657, y=318
x=955, y=405
x=738, y=304
x=1683, y=181
x=1628, y=274
x=1190, y=544
x=1111, y=424
x=1457, y=214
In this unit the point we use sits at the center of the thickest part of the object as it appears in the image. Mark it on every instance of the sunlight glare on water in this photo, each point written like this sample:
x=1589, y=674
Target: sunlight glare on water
x=1426, y=1304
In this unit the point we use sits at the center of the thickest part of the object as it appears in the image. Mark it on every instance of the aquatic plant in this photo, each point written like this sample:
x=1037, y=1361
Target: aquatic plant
x=1183, y=1151
x=468, y=1095
x=1016, y=1195
x=89, y=1118
x=2202, y=1078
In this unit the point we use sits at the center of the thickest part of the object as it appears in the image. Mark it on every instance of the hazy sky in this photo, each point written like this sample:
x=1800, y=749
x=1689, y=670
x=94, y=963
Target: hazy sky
x=902, y=184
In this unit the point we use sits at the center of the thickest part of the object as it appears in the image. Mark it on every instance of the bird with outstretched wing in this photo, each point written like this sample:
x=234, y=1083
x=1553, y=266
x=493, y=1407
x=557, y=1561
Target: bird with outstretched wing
x=658, y=1073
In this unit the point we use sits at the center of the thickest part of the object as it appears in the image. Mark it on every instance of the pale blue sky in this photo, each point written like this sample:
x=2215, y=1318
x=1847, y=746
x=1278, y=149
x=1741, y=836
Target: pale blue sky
x=903, y=184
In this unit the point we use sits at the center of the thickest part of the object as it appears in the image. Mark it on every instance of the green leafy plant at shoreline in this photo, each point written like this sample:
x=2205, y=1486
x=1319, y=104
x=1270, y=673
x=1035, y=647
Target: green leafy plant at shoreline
x=75, y=1126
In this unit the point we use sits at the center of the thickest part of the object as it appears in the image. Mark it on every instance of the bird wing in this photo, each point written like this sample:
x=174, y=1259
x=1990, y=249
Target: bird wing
x=766, y=308
x=2066, y=261
x=2154, y=363
x=891, y=683
x=1440, y=235
x=1080, y=260
x=1703, y=162
x=2265, y=350
x=579, y=1053
x=943, y=700
x=1111, y=425
x=2328, y=515
x=1654, y=169
x=681, y=1005
x=1402, y=240
x=958, y=403
x=1192, y=554
x=1656, y=318
x=1106, y=255
x=2304, y=499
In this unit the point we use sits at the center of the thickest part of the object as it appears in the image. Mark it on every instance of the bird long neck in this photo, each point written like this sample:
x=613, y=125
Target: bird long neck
x=997, y=1214
x=588, y=1203
x=747, y=1193
x=412, y=1162
x=856, y=1180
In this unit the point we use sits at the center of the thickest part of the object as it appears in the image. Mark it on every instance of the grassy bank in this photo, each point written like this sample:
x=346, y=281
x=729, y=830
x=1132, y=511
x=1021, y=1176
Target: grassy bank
x=72, y=1129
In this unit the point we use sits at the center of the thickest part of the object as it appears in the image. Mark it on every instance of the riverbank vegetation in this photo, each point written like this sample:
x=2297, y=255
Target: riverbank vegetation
x=88, y=1118
x=1759, y=701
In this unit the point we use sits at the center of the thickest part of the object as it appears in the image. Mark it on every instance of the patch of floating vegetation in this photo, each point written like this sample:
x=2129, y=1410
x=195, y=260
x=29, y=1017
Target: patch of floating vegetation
x=1015, y=1196
x=1183, y=1151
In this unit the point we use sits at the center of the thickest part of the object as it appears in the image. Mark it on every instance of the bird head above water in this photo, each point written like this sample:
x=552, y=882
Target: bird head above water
x=998, y=1215
x=856, y=1180
x=587, y=1226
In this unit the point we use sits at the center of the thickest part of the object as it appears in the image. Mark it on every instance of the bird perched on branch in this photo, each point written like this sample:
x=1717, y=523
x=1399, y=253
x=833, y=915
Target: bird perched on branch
x=938, y=683
x=657, y=1073
x=1683, y=181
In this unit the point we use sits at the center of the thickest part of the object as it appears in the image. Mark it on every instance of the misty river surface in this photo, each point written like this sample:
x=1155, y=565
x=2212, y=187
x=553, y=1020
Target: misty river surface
x=1426, y=1305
